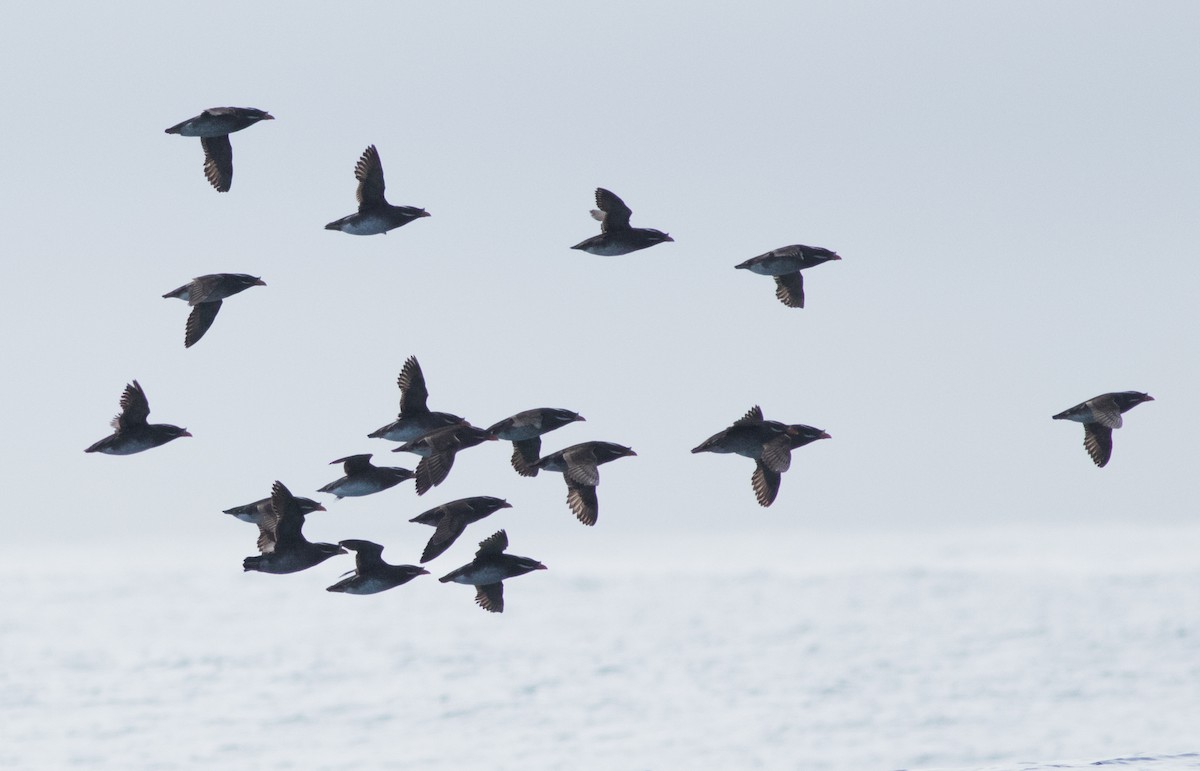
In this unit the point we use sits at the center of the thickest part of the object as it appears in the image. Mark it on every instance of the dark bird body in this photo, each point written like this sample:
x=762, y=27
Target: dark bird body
x=204, y=294
x=489, y=569
x=451, y=519
x=281, y=542
x=616, y=235
x=131, y=431
x=768, y=442
x=437, y=450
x=214, y=126
x=375, y=214
x=415, y=419
x=371, y=575
x=785, y=264
x=364, y=478
x=258, y=512
x=579, y=465
x=1099, y=416
x=525, y=430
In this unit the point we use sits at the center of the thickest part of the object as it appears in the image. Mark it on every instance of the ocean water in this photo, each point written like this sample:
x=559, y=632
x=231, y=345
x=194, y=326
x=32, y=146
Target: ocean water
x=1002, y=651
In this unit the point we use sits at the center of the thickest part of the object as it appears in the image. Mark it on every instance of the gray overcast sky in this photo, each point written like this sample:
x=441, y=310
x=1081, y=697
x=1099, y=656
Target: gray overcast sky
x=1012, y=186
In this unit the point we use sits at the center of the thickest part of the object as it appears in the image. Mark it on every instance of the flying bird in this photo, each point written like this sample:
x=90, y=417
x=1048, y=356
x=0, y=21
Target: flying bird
x=785, y=264
x=375, y=214
x=489, y=569
x=452, y=518
x=204, y=294
x=415, y=419
x=281, y=542
x=616, y=236
x=363, y=477
x=371, y=574
x=525, y=431
x=214, y=126
x=768, y=442
x=131, y=433
x=437, y=450
x=1099, y=416
x=579, y=465
x=259, y=511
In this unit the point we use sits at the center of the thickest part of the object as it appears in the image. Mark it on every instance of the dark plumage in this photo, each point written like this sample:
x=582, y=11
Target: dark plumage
x=452, y=518
x=768, y=442
x=785, y=264
x=371, y=574
x=489, y=568
x=204, y=294
x=525, y=430
x=363, y=477
x=282, y=544
x=131, y=431
x=1099, y=416
x=437, y=449
x=415, y=419
x=375, y=214
x=616, y=236
x=579, y=466
x=258, y=512
x=214, y=126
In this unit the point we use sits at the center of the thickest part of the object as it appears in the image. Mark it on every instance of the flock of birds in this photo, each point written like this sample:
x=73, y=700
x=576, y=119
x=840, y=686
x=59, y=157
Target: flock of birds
x=436, y=437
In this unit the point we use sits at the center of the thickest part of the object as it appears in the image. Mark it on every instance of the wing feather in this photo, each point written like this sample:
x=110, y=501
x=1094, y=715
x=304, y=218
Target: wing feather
x=218, y=162
x=199, y=320
x=369, y=173
x=1097, y=440
x=616, y=213
x=789, y=288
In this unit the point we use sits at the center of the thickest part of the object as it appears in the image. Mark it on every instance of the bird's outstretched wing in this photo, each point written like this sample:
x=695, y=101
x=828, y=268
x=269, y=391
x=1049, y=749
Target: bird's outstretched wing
x=218, y=162
x=613, y=213
x=369, y=173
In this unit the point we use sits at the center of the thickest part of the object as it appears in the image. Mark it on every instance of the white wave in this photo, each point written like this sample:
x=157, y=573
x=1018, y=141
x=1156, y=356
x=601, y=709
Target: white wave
x=145, y=659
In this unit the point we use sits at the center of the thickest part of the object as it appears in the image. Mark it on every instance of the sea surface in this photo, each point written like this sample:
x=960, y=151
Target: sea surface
x=999, y=651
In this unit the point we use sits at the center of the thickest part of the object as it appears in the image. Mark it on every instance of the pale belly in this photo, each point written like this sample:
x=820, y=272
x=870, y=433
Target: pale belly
x=481, y=577
x=129, y=447
x=609, y=250
x=372, y=585
x=409, y=429
x=365, y=226
x=774, y=267
x=356, y=487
